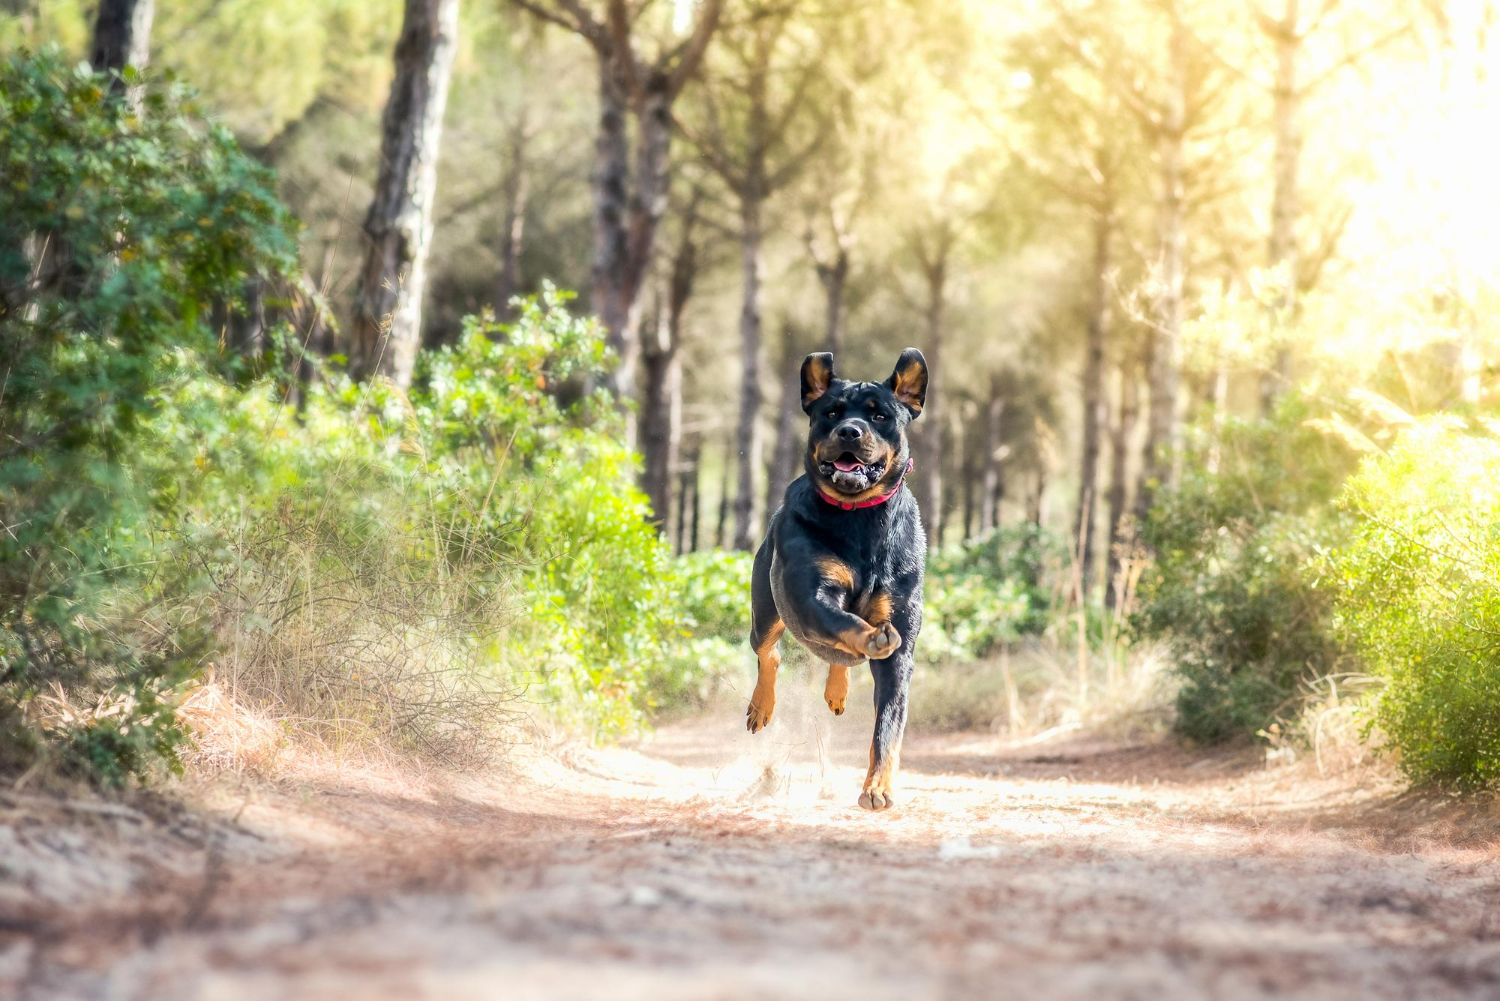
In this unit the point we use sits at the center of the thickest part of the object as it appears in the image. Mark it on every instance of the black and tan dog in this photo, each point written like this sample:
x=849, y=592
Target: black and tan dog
x=841, y=566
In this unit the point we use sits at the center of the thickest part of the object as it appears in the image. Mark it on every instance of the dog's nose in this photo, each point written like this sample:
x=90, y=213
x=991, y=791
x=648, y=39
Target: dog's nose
x=849, y=432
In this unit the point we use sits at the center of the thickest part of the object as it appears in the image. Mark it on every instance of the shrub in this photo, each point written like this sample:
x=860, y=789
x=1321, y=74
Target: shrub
x=428, y=556
x=1420, y=596
x=710, y=608
x=119, y=231
x=374, y=563
x=1231, y=590
x=993, y=590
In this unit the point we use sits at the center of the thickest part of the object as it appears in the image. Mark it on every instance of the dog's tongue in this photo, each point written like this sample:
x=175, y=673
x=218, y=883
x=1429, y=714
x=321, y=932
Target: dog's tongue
x=847, y=465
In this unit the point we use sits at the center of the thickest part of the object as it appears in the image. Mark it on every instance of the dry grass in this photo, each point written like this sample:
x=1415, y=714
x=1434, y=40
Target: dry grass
x=229, y=736
x=1042, y=685
x=355, y=637
x=1333, y=729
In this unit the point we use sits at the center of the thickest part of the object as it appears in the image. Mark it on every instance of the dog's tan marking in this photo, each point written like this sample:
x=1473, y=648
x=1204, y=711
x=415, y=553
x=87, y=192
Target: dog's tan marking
x=835, y=571
x=874, y=608
x=874, y=642
x=763, y=699
x=909, y=380
x=817, y=376
x=836, y=689
x=880, y=780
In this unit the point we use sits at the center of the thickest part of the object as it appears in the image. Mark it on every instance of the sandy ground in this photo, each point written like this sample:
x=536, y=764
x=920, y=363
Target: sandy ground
x=712, y=864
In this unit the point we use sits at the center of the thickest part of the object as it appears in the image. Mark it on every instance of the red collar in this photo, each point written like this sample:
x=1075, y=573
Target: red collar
x=871, y=502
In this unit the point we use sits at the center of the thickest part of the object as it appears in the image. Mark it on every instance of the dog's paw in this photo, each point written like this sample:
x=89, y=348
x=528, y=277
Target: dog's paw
x=836, y=691
x=883, y=642
x=756, y=718
x=877, y=799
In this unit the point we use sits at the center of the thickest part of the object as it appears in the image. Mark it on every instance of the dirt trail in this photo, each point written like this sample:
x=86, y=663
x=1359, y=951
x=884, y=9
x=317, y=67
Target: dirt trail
x=713, y=864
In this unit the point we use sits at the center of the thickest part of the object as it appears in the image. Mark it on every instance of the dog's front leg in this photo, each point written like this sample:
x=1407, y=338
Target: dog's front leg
x=823, y=590
x=892, y=685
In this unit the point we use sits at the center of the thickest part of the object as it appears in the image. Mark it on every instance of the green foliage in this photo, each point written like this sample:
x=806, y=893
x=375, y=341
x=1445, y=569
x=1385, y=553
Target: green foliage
x=711, y=608
x=990, y=591
x=1420, y=599
x=119, y=231
x=496, y=495
x=599, y=577
x=1233, y=589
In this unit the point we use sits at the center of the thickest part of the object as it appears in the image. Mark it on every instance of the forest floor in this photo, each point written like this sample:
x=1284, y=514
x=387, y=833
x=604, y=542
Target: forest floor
x=708, y=863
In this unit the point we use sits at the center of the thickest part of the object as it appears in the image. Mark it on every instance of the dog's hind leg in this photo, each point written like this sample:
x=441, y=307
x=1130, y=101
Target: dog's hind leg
x=766, y=628
x=836, y=690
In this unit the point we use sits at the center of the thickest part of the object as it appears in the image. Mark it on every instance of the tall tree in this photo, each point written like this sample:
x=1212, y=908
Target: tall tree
x=1121, y=537
x=661, y=391
x=1290, y=32
x=1077, y=144
x=122, y=37
x=992, y=458
x=515, y=189
x=1172, y=99
x=398, y=227
x=1167, y=119
x=933, y=247
x=787, y=452
x=757, y=134
x=841, y=186
x=629, y=202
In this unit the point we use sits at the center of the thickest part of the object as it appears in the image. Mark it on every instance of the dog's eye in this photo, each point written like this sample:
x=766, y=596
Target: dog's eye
x=835, y=414
x=879, y=416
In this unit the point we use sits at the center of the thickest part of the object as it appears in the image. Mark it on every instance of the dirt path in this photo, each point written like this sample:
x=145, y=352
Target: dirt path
x=710, y=864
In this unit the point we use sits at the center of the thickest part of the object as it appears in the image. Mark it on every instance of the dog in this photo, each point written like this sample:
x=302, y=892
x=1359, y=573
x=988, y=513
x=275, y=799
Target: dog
x=841, y=565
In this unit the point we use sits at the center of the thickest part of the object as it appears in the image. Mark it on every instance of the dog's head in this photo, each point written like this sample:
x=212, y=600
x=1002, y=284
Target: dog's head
x=856, y=443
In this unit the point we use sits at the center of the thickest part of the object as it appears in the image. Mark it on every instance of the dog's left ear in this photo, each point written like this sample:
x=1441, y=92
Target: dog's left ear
x=909, y=380
x=817, y=376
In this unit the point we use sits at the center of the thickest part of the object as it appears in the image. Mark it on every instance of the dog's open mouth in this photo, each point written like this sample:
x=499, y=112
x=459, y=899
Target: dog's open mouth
x=850, y=473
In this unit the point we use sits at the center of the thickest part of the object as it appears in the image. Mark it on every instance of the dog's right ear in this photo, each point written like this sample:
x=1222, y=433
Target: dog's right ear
x=817, y=376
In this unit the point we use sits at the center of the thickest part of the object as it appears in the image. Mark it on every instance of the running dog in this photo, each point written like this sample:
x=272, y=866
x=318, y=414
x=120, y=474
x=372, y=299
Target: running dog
x=841, y=564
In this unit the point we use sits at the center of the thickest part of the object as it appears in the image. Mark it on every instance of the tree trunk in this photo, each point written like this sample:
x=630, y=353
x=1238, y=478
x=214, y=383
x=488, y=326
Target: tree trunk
x=1166, y=348
x=1038, y=499
x=785, y=450
x=398, y=228
x=1093, y=400
x=610, y=183
x=122, y=37
x=1121, y=532
x=661, y=403
x=929, y=468
x=969, y=477
x=687, y=501
x=721, y=532
x=695, y=509
x=661, y=414
x=834, y=276
x=1287, y=124
x=626, y=216
x=748, y=436
x=963, y=465
x=247, y=328
x=993, y=488
x=513, y=229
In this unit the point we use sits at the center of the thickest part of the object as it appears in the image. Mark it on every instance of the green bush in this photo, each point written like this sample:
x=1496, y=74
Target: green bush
x=371, y=563
x=486, y=527
x=992, y=590
x=710, y=606
x=120, y=230
x=1420, y=596
x=1233, y=589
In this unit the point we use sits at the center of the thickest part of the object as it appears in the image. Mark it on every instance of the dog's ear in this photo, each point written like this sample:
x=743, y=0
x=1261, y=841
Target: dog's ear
x=909, y=380
x=817, y=376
